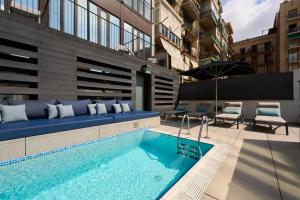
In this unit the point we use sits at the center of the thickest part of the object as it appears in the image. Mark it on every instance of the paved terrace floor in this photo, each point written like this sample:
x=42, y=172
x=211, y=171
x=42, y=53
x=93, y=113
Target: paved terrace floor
x=260, y=165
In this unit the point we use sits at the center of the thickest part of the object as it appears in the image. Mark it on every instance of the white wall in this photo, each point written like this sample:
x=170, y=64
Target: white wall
x=290, y=109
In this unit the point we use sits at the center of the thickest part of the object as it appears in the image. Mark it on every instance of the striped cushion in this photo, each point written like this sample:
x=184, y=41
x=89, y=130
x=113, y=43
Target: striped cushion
x=117, y=108
x=65, y=111
x=92, y=109
x=13, y=113
x=125, y=107
x=52, y=111
x=101, y=109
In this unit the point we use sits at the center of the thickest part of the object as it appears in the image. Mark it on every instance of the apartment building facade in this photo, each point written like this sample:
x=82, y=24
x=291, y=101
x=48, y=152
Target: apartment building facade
x=288, y=33
x=282, y=43
x=65, y=49
x=176, y=33
x=260, y=52
x=194, y=29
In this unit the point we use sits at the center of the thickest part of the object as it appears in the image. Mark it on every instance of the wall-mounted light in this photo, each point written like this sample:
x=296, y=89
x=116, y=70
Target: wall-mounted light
x=145, y=69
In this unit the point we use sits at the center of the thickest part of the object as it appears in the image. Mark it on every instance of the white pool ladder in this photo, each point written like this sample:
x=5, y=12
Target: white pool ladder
x=187, y=149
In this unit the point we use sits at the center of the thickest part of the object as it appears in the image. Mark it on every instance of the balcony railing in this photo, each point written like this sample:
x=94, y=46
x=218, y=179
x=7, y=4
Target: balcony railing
x=193, y=4
x=208, y=14
x=189, y=27
x=88, y=23
x=172, y=37
x=294, y=30
x=191, y=52
x=293, y=15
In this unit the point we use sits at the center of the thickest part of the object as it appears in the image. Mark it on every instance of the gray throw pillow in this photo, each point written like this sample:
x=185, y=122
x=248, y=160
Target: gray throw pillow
x=125, y=107
x=101, y=109
x=92, y=109
x=13, y=113
x=52, y=111
x=65, y=111
x=117, y=108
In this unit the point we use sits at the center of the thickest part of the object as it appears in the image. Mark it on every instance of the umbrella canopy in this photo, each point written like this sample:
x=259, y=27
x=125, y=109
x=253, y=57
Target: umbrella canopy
x=219, y=69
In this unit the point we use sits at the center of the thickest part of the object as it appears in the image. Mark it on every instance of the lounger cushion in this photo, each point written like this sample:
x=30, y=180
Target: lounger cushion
x=121, y=117
x=108, y=104
x=35, y=109
x=79, y=106
x=231, y=110
x=268, y=111
x=44, y=126
x=228, y=116
x=269, y=119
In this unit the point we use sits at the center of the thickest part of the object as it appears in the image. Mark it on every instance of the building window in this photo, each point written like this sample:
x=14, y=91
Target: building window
x=254, y=60
x=69, y=17
x=128, y=40
x=292, y=13
x=170, y=35
x=103, y=28
x=142, y=45
x=114, y=32
x=30, y=6
x=93, y=23
x=1, y=4
x=254, y=48
x=135, y=44
x=292, y=57
x=242, y=51
x=82, y=19
x=143, y=7
x=268, y=46
x=292, y=28
x=54, y=14
x=148, y=48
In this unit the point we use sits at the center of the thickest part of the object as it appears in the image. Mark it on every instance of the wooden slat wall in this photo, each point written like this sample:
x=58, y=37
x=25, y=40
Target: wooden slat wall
x=63, y=67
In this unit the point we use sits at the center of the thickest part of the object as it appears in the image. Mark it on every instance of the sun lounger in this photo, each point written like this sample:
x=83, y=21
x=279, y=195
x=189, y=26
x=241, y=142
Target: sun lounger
x=269, y=113
x=231, y=111
x=180, y=109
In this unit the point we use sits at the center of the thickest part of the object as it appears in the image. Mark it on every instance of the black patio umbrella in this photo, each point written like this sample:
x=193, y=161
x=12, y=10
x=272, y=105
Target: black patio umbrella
x=219, y=69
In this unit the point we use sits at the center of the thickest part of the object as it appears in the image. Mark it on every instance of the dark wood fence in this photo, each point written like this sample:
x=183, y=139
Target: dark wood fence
x=252, y=87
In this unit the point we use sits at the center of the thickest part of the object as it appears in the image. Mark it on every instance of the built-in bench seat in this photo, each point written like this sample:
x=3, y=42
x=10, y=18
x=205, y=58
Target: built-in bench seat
x=44, y=126
x=36, y=127
x=134, y=115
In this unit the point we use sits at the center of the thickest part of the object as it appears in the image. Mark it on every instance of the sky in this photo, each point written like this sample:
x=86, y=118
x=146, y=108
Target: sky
x=250, y=17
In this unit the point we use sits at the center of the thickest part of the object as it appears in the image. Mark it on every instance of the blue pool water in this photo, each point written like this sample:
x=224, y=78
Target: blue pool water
x=135, y=166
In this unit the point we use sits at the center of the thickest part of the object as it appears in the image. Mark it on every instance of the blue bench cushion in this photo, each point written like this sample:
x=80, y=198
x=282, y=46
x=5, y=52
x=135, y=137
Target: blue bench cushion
x=35, y=109
x=44, y=126
x=121, y=117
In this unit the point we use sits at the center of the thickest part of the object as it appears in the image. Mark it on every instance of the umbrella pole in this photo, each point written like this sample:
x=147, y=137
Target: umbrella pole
x=216, y=96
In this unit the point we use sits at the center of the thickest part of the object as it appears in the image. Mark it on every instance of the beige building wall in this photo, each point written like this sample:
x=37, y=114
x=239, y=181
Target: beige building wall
x=257, y=53
x=289, y=35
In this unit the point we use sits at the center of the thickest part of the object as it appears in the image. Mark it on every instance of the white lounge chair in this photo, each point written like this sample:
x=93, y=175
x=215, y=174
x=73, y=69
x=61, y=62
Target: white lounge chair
x=180, y=109
x=231, y=111
x=269, y=113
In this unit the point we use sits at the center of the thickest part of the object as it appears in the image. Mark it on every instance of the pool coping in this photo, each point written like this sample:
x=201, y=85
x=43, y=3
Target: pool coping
x=194, y=183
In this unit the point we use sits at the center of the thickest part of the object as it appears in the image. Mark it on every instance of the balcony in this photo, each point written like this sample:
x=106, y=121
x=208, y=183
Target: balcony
x=208, y=60
x=293, y=16
x=191, y=53
x=192, y=9
x=211, y=42
x=294, y=33
x=208, y=18
x=190, y=32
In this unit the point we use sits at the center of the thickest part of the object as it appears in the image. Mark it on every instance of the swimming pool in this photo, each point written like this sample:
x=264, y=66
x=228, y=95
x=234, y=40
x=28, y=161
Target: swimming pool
x=138, y=165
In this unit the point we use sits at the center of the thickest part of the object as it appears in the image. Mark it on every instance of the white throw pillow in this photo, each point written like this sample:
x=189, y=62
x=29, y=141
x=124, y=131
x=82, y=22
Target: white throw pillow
x=13, y=113
x=101, y=109
x=52, y=111
x=92, y=109
x=117, y=108
x=125, y=107
x=65, y=111
x=0, y=113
